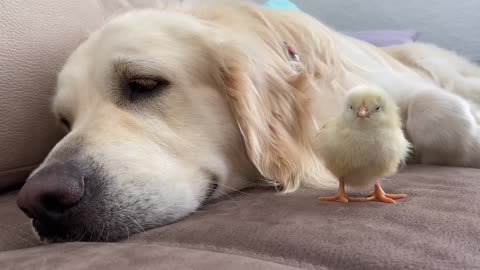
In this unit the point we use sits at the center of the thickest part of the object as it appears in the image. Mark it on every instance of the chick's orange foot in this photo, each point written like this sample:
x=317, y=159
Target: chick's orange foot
x=336, y=198
x=341, y=196
x=379, y=195
x=344, y=198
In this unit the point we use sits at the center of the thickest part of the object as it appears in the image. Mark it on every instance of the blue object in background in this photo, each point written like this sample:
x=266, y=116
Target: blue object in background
x=280, y=4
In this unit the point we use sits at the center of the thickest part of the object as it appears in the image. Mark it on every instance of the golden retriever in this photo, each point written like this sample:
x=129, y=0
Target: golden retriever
x=168, y=108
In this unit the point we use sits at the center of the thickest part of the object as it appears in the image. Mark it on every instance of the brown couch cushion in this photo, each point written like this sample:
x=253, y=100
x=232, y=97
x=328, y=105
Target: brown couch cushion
x=132, y=256
x=436, y=227
x=15, y=228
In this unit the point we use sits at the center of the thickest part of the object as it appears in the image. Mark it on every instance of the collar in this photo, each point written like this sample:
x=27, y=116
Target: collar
x=292, y=53
x=295, y=59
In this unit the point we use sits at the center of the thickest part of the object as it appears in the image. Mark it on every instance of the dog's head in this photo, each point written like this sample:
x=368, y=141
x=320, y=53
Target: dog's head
x=163, y=112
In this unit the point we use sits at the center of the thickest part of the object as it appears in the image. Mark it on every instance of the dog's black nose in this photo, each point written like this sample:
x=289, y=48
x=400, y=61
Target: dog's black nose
x=51, y=191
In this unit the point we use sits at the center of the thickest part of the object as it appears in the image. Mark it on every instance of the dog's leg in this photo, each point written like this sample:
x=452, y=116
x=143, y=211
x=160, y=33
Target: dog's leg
x=443, y=129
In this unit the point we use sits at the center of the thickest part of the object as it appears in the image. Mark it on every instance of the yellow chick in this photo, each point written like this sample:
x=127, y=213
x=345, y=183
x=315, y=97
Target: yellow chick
x=364, y=143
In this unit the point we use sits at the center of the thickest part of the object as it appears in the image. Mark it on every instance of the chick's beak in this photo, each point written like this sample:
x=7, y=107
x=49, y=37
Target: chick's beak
x=362, y=112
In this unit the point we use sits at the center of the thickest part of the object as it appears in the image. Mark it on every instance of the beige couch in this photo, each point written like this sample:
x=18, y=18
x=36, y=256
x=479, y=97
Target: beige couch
x=436, y=227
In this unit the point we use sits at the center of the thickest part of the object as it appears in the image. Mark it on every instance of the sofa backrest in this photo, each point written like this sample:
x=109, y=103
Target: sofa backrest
x=36, y=37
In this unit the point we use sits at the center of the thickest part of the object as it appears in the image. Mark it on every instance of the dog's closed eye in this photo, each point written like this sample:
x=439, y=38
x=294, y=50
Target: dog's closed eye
x=138, y=80
x=142, y=86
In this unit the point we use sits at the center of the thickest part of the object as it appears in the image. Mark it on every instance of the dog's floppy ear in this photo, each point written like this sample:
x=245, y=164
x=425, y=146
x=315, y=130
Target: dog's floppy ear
x=272, y=109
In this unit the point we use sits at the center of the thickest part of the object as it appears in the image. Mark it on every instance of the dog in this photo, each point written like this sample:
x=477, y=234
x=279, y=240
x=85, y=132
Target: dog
x=166, y=109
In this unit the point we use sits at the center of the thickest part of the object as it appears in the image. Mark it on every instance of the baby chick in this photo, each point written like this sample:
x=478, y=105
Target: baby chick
x=364, y=143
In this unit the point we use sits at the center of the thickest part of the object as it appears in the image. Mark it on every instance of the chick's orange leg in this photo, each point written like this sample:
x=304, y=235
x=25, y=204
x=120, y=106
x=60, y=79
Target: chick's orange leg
x=341, y=195
x=379, y=195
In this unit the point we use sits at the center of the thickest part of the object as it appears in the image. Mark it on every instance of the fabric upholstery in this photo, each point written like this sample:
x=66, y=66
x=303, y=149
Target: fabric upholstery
x=436, y=227
x=131, y=256
x=37, y=36
x=15, y=228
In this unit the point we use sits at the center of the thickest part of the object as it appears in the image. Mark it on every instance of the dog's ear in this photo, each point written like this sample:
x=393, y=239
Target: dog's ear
x=271, y=106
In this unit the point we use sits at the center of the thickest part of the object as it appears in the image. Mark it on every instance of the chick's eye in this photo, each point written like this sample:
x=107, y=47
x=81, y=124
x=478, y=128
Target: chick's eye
x=141, y=86
x=351, y=107
x=378, y=108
